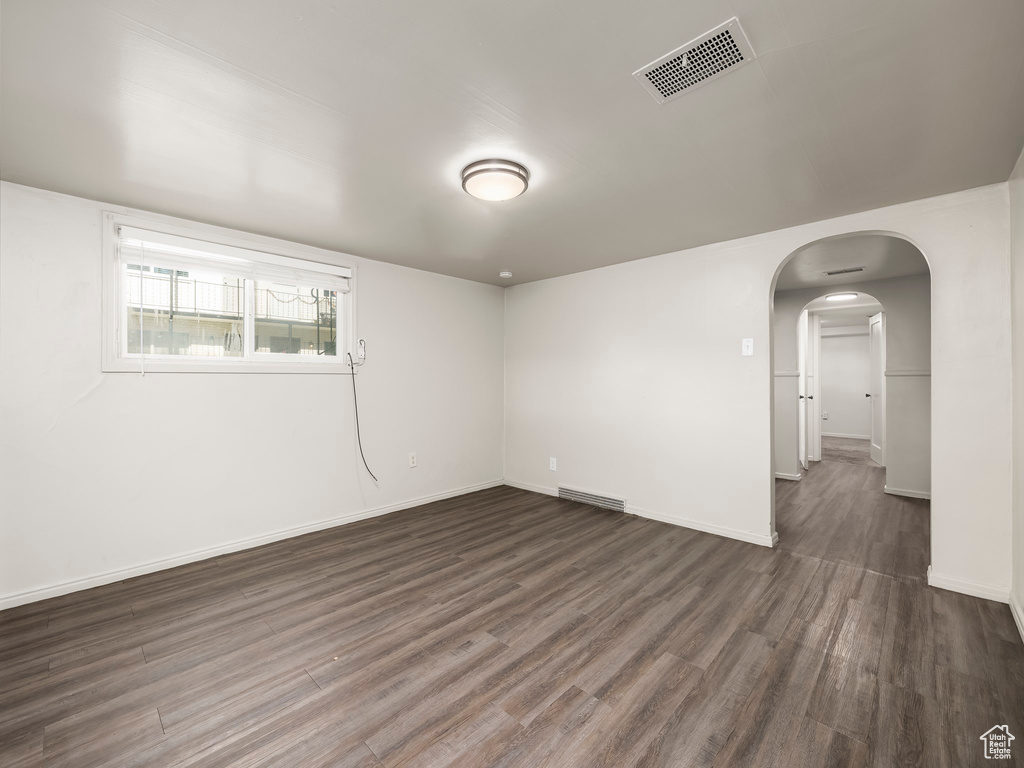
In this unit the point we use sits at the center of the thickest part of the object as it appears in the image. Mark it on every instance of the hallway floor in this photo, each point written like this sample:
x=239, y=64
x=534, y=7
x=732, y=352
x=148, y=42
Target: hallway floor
x=839, y=513
x=847, y=450
x=507, y=628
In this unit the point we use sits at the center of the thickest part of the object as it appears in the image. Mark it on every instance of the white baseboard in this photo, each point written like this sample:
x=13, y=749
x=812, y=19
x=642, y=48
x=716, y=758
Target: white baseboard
x=967, y=587
x=848, y=437
x=787, y=476
x=763, y=540
x=530, y=487
x=683, y=522
x=1018, y=613
x=905, y=492
x=76, y=585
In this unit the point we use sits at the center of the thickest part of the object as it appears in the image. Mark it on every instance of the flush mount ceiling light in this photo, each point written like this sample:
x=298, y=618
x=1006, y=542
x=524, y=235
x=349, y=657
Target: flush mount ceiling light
x=505, y=275
x=841, y=297
x=495, y=180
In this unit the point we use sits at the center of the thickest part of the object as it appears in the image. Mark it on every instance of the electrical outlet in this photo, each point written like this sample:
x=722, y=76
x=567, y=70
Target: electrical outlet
x=824, y=415
x=412, y=460
x=553, y=464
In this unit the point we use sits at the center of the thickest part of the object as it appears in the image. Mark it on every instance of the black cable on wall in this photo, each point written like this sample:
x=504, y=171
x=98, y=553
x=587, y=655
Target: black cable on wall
x=355, y=403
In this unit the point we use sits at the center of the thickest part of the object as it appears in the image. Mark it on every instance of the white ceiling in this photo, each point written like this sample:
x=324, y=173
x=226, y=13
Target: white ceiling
x=883, y=257
x=855, y=312
x=345, y=124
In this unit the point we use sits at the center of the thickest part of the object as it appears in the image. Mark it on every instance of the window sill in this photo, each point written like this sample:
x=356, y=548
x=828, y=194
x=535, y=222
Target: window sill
x=242, y=366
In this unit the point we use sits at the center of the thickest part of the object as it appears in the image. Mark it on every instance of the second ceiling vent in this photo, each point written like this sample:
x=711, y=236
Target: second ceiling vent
x=697, y=63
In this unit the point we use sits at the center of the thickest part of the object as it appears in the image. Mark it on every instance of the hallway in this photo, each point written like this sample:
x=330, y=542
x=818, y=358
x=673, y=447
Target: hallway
x=840, y=513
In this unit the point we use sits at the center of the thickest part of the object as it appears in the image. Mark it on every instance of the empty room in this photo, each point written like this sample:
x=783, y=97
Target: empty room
x=564, y=384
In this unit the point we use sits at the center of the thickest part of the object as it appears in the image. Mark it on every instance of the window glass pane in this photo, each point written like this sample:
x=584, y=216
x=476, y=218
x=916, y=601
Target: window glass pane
x=295, y=319
x=191, y=313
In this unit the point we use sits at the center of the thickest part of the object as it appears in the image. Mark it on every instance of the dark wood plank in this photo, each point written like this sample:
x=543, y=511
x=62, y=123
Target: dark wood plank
x=506, y=628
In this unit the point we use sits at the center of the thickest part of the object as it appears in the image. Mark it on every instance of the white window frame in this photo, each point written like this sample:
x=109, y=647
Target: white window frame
x=279, y=251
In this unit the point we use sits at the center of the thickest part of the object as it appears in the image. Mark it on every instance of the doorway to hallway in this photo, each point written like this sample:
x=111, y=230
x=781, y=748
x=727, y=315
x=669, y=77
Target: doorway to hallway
x=841, y=382
x=886, y=402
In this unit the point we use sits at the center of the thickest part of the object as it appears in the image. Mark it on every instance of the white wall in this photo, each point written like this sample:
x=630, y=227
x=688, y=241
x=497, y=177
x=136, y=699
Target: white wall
x=1017, y=249
x=908, y=384
x=845, y=368
x=107, y=475
x=631, y=376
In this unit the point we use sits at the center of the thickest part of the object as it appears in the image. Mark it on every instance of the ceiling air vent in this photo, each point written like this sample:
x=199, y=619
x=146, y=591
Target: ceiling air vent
x=845, y=271
x=700, y=61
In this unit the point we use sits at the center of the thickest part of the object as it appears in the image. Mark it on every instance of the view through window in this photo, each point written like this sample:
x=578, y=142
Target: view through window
x=189, y=299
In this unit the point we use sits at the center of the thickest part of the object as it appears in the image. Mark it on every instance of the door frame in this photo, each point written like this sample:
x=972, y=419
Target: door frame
x=814, y=386
x=809, y=388
x=877, y=387
x=803, y=414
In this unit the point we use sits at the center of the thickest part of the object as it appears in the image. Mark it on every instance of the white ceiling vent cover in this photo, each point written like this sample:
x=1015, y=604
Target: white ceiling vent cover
x=700, y=61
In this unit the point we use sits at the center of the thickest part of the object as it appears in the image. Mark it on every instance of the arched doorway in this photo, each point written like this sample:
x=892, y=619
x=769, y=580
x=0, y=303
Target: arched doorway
x=841, y=383
x=893, y=274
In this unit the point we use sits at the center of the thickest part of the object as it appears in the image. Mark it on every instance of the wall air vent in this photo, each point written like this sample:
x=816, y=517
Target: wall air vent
x=592, y=499
x=845, y=271
x=700, y=61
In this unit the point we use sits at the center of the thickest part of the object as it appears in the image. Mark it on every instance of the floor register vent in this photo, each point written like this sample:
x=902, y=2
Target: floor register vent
x=703, y=59
x=593, y=499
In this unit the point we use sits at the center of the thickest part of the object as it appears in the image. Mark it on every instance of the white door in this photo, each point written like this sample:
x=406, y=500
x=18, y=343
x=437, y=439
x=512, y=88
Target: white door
x=814, y=387
x=876, y=325
x=801, y=410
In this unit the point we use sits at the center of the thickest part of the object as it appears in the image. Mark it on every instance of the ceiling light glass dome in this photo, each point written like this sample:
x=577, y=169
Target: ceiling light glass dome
x=495, y=180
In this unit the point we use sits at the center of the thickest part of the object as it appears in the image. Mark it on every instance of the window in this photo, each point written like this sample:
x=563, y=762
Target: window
x=198, y=313
x=182, y=303
x=294, y=319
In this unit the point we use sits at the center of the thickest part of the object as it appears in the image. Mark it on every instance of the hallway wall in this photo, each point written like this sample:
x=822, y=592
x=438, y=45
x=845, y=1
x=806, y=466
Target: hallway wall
x=908, y=384
x=1016, y=194
x=845, y=367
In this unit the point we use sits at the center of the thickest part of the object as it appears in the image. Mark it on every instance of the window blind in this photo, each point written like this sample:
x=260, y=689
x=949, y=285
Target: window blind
x=167, y=250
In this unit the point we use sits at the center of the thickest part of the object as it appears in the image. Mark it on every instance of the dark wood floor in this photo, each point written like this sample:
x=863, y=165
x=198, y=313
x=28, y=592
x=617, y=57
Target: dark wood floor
x=848, y=450
x=510, y=629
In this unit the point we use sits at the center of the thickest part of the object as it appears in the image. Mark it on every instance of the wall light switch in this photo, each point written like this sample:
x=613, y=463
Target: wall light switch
x=748, y=347
x=553, y=464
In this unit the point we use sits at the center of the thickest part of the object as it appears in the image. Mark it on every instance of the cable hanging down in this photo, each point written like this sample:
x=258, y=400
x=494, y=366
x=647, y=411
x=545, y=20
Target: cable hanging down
x=355, y=403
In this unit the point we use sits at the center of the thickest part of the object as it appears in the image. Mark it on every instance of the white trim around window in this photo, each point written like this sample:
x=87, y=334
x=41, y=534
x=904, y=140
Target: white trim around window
x=237, y=257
